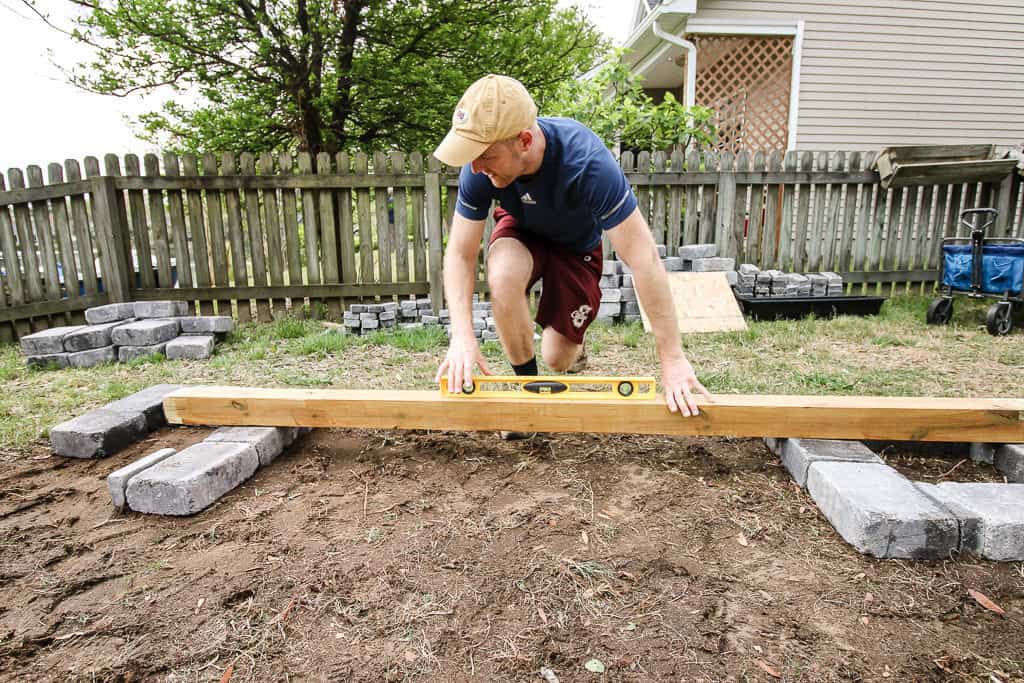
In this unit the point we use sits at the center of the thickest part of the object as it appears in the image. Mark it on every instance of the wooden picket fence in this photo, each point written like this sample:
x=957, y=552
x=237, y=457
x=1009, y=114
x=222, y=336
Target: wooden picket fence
x=258, y=237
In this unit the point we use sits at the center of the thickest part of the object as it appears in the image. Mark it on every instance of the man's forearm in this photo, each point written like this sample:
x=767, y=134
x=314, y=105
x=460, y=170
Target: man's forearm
x=459, y=283
x=652, y=288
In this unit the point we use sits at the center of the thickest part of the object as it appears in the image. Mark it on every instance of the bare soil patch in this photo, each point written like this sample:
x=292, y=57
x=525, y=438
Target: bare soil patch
x=416, y=556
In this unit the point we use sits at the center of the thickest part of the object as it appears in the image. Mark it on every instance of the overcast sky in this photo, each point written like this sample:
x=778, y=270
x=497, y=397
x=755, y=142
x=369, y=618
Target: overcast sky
x=45, y=119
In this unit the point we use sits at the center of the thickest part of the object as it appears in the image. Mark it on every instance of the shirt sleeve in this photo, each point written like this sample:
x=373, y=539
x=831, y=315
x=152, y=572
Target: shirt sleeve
x=607, y=191
x=475, y=194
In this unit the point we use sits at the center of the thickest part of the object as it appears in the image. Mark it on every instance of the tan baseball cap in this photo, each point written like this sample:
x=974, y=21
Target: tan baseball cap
x=492, y=109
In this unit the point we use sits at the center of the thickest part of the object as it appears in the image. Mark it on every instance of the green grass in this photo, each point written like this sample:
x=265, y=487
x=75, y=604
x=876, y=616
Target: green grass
x=892, y=354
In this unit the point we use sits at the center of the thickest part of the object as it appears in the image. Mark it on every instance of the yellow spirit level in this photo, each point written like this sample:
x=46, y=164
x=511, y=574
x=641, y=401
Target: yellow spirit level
x=576, y=387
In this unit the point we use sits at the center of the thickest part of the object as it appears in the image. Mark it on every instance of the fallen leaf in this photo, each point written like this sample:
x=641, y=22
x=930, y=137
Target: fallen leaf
x=228, y=673
x=864, y=620
x=868, y=597
x=200, y=603
x=586, y=538
x=767, y=668
x=594, y=666
x=985, y=602
x=742, y=540
x=543, y=617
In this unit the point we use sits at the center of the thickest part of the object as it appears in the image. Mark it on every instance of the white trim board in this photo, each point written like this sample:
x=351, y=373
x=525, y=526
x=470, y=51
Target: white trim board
x=755, y=27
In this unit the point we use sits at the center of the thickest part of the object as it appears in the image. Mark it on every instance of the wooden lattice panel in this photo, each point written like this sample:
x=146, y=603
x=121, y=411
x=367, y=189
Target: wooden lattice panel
x=747, y=81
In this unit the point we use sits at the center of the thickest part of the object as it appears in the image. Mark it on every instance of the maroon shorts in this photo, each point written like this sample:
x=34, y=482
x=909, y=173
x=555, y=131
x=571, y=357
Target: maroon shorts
x=572, y=281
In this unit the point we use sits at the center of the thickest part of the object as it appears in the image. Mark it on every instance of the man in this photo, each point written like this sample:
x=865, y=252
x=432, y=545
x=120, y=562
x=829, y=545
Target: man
x=558, y=189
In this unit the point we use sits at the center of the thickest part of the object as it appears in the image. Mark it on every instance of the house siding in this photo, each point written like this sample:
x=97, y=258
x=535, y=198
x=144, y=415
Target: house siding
x=901, y=72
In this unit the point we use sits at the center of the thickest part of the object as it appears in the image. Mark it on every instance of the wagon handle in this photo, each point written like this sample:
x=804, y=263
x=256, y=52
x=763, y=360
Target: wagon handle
x=968, y=214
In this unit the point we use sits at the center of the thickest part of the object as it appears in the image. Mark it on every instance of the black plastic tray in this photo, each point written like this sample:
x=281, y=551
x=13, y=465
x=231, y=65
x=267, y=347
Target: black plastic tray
x=791, y=308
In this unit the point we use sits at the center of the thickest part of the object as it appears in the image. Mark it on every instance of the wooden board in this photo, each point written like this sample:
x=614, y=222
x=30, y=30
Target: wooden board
x=820, y=417
x=704, y=302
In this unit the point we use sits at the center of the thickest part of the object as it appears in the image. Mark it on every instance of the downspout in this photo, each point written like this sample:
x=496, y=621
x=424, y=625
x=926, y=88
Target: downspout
x=690, y=97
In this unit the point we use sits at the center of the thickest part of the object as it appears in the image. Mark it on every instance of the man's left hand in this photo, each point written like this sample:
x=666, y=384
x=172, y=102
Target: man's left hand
x=680, y=383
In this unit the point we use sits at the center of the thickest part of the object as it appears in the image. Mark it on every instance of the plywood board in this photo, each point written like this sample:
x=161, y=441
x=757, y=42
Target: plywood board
x=818, y=417
x=703, y=302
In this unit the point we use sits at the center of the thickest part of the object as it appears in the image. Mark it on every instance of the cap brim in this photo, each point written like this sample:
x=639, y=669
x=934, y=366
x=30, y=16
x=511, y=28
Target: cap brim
x=456, y=150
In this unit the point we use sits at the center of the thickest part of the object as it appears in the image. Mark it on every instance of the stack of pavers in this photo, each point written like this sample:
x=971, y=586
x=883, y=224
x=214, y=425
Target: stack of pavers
x=124, y=331
x=703, y=258
x=746, y=279
x=366, y=318
x=413, y=313
x=168, y=482
x=775, y=283
x=618, y=295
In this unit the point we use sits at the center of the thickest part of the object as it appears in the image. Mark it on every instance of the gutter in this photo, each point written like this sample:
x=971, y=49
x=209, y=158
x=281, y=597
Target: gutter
x=690, y=97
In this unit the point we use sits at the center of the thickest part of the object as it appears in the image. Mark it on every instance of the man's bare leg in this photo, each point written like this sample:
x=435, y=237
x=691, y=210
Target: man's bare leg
x=509, y=265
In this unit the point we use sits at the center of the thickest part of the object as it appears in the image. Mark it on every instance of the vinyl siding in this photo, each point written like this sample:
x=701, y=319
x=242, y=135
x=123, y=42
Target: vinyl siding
x=901, y=72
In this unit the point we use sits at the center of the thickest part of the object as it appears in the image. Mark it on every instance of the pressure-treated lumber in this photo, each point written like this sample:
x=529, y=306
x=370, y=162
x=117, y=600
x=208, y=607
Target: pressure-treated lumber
x=825, y=417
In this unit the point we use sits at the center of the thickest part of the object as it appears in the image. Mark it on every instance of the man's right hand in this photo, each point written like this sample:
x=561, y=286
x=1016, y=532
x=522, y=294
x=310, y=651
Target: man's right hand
x=462, y=358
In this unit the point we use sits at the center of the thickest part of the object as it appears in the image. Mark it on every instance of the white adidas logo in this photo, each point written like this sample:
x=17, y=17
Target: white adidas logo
x=527, y=199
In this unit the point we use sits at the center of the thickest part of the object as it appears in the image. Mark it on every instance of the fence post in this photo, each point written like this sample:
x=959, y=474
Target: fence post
x=1005, y=205
x=110, y=232
x=432, y=182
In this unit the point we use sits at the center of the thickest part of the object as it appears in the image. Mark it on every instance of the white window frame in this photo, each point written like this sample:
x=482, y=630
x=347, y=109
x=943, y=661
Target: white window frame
x=755, y=27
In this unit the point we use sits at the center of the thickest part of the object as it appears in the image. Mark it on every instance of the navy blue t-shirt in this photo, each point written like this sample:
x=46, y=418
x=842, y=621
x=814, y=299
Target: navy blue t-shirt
x=578, y=193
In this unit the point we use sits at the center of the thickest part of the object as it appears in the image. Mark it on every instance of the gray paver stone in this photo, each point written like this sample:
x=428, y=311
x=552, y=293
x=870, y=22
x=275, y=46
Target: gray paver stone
x=983, y=452
x=93, y=357
x=198, y=347
x=880, y=512
x=110, y=313
x=628, y=294
x=611, y=267
x=149, y=402
x=673, y=264
x=208, y=324
x=144, y=332
x=1009, y=459
x=59, y=360
x=611, y=296
x=127, y=353
x=371, y=324
x=48, y=341
x=97, y=434
x=609, y=310
x=798, y=454
x=269, y=442
x=690, y=252
x=117, y=481
x=193, y=479
x=712, y=265
x=991, y=515
x=160, y=309
x=92, y=336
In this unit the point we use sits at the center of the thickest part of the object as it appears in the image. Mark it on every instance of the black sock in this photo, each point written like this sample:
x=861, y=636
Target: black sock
x=528, y=369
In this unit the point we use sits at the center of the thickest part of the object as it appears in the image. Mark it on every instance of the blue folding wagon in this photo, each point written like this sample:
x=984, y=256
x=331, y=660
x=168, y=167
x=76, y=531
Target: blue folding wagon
x=980, y=267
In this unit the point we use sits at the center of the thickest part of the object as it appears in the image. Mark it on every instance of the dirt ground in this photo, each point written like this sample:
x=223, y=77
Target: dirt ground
x=427, y=556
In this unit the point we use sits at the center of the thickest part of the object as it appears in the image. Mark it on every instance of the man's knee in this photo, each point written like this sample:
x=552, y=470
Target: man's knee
x=558, y=351
x=509, y=265
x=557, y=361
